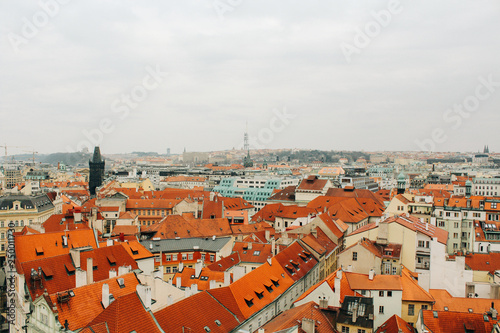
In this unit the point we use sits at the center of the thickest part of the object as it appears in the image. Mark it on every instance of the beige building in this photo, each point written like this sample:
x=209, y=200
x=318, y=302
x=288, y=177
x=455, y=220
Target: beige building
x=18, y=211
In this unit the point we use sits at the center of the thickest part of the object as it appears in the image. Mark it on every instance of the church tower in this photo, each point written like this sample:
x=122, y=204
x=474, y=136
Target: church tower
x=96, y=172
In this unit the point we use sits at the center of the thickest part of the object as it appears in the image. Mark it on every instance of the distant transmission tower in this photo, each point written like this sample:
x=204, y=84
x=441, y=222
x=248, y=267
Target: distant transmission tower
x=246, y=146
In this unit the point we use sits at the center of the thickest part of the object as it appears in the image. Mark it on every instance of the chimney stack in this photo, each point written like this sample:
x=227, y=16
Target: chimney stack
x=90, y=271
x=178, y=282
x=308, y=325
x=371, y=274
x=181, y=267
x=227, y=279
x=268, y=235
x=197, y=268
x=105, y=295
x=144, y=292
x=75, y=256
x=112, y=273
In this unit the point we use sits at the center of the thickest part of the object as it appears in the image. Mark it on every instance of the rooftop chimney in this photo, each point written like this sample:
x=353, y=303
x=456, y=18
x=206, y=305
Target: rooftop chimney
x=371, y=274
x=308, y=325
x=323, y=303
x=144, y=292
x=178, y=282
x=212, y=284
x=80, y=278
x=197, y=269
x=494, y=312
x=112, y=273
x=268, y=235
x=90, y=271
x=75, y=256
x=181, y=266
x=227, y=279
x=105, y=295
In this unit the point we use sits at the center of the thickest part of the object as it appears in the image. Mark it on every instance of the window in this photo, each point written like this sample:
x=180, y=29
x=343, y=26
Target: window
x=174, y=257
x=2, y=235
x=411, y=309
x=203, y=256
x=389, y=293
x=381, y=309
x=354, y=256
x=455, y=224
x=345, y=329
x=212, y=257
x=361, y=330
x=394, y=270
x=168, y=257
x=381, y=293
x=441, y=224
x=455, y=235
x=190, y=256
x=168, y=269
x=424, y=307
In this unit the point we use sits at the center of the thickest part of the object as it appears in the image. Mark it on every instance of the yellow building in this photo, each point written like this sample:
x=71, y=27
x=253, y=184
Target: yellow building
x=18, y=211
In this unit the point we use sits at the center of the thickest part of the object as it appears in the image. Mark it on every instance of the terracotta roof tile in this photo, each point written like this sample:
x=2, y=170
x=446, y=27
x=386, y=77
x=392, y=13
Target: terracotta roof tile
x=85, y=305
x=127, y=314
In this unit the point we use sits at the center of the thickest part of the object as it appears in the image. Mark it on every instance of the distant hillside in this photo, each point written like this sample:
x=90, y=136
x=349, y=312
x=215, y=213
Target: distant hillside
x=69, y=159
x=66, y=158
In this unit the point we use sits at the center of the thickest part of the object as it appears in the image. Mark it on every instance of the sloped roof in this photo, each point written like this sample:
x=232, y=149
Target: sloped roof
x=51, y=244
x=189, y=278
x=456, y=322
x=489, y=262
x=359, y=281
x=412, y=290
x=395, y=325
x=85, y=305
x=173, y=226
x=460, y=304
x=258, y=253
x=294, y=316
x=195, y=313
x=61, y=222
x=286, y=194
x=225, y=263
x=127, y=314
x=312, y=183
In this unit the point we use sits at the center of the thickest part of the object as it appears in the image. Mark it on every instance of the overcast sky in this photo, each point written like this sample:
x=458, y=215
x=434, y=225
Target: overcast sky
x=347, y=75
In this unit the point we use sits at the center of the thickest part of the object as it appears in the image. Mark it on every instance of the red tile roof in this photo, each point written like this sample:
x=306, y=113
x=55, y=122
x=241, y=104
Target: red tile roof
x=252, y=252
x=380, y=282
x=225, y=263
x=395, y=325
x=85, y=305
x=412, y=290
x=456, y=322
x=195, y=313
x=460, y=304
x=61, y=222
x=489, y=262
x=51, y=244
x=294, y=317
x=312, y=184
x=127, y=314
x=188, y=278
